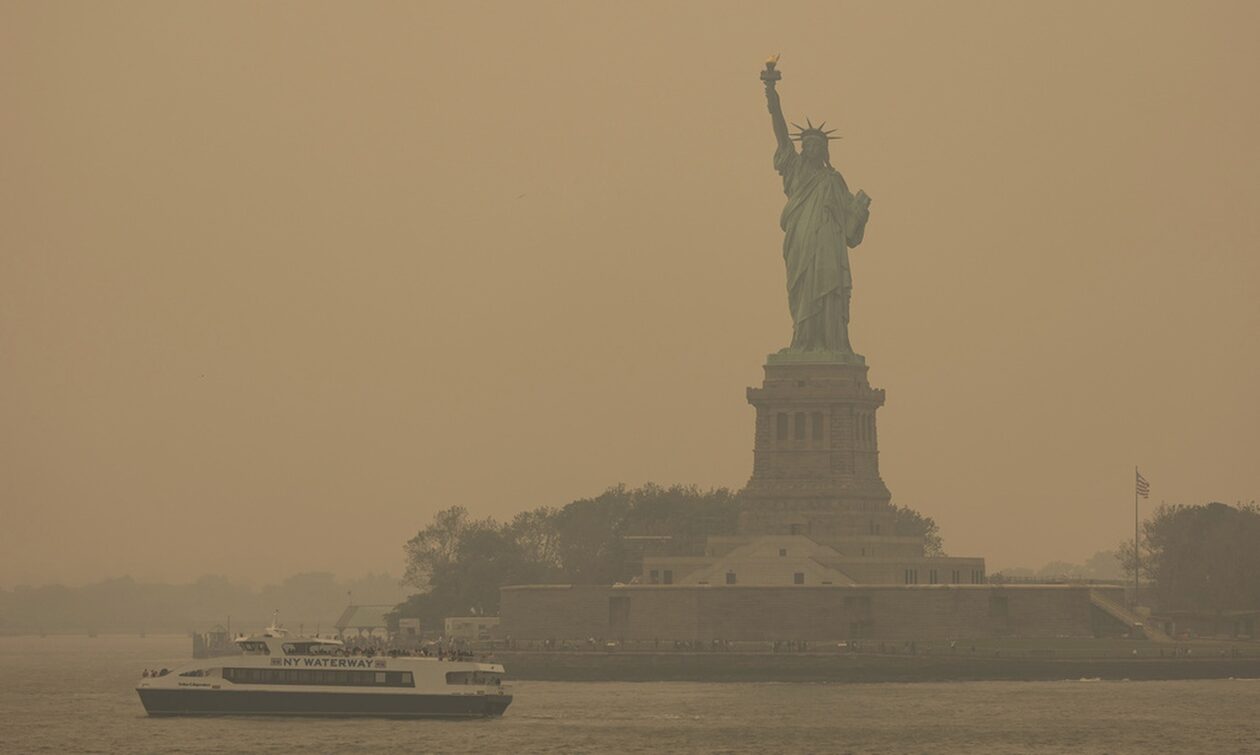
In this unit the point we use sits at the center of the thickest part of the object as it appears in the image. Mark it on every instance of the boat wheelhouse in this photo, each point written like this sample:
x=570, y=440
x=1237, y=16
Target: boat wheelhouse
x=315, y=676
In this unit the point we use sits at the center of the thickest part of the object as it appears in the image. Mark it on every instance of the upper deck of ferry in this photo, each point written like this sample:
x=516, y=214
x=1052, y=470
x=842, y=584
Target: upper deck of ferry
x=276, y=642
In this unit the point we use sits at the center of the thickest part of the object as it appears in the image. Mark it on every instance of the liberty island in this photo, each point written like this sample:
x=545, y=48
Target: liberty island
x=820, y=555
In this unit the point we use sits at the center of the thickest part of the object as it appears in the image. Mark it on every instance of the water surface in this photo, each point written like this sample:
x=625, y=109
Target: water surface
x=76, y=694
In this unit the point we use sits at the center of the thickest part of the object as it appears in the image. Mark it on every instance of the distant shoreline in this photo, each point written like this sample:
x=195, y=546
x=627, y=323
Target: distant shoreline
x=80, y=634
x=855, y=668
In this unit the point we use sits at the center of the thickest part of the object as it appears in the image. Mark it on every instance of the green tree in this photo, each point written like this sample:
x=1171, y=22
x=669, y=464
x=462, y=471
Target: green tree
x=589, y=540
x=536, y=535
x=1204, y=558
x=1127, y=561
x=592, y=532
x=434, y=546
x=463, y=563
x=459, y=563
x=486, y=559
x=910, y=523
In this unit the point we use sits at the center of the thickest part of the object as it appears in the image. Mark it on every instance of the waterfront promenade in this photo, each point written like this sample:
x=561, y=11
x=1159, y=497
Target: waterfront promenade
x=992, y=660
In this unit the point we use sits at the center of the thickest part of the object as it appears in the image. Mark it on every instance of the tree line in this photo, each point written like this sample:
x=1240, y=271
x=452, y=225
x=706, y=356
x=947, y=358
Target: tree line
x=1200, y=558
x=459, y=562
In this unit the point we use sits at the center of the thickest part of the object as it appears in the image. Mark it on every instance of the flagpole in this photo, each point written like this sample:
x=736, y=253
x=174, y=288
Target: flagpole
x=1137, y=551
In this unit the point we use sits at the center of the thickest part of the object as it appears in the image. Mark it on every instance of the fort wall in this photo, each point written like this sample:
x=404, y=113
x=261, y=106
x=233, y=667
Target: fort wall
x=812, y=614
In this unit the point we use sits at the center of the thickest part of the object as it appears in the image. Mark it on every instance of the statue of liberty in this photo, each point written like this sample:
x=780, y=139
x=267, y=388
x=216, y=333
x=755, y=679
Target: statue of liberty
x=821, y=221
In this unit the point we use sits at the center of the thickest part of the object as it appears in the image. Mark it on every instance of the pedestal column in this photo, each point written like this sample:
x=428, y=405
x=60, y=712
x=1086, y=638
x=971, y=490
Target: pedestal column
x=816, y=450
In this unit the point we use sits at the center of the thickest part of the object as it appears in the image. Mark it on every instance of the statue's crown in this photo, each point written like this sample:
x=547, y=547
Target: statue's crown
x=812, y=130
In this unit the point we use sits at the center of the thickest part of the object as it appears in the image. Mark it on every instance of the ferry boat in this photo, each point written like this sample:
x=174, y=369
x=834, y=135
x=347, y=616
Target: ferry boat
x=312, y=676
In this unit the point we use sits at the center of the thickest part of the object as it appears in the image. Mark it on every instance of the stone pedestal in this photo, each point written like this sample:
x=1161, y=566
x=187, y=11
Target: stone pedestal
x=816, y=451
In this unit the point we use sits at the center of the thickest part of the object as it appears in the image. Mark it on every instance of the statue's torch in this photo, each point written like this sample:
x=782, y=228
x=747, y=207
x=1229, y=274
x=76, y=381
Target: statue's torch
x=771, y=74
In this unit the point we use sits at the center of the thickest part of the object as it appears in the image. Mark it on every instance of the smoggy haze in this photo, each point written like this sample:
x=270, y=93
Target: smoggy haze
x=279, y=281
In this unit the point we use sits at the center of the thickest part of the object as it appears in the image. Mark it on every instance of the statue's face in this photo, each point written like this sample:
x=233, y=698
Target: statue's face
x=814, y=149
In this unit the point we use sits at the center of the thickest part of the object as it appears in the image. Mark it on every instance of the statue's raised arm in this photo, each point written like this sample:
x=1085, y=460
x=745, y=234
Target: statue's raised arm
x=770, y=75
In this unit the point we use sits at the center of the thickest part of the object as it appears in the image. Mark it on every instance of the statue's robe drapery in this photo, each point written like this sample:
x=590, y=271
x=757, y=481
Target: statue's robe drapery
x=820, y=222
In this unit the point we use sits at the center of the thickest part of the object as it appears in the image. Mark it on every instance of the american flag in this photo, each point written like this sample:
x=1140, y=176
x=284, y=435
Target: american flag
x=1143, y=487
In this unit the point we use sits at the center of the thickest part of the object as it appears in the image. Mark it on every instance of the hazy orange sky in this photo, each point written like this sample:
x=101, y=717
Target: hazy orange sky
x=280, y=280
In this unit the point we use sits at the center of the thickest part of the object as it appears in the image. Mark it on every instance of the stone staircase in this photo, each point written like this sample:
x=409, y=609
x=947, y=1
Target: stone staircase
x=1130, y=619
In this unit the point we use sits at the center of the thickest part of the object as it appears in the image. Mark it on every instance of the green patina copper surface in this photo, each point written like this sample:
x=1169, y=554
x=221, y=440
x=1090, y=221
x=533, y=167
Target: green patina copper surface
x=821, y=222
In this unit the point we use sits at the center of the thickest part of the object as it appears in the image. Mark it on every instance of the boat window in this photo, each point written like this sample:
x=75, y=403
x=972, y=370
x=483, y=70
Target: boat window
x=474, y=677
x=319, y=677
x=254, y=646
x=196, y=672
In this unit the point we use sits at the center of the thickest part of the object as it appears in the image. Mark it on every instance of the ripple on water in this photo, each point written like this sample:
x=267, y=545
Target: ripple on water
x=77, y=695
